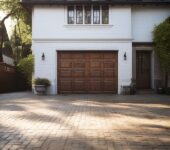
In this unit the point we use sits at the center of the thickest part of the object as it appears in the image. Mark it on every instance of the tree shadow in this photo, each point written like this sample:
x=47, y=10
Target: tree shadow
x=112, y=98
x=11, y=107
x=147, y=111
x=161, y=127
x=64, y=112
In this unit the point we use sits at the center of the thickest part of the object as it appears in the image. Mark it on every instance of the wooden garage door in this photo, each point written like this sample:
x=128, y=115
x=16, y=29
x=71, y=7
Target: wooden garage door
x=87, y=72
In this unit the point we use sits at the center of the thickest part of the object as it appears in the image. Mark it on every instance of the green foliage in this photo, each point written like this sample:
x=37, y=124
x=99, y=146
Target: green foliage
x=21, y=37
x=41, y=81
x=25, y=32
x=26, y=66
x=21, y=40
x=13, y=8
x=161, y=39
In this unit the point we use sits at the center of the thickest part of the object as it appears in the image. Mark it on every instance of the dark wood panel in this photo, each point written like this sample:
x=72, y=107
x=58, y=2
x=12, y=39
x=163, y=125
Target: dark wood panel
x=143, y=70
x=9, y=78
x=87, y=72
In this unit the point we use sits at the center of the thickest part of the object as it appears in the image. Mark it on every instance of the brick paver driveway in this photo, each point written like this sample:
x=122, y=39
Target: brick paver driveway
x=84, y=122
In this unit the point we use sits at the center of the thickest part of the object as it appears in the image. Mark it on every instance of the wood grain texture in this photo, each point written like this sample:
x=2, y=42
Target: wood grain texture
x=87, y=72
x=143, y=70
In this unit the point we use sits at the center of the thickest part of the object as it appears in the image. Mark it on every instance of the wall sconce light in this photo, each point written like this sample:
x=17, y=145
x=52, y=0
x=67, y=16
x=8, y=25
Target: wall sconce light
x=43, y=56
x=125, y=56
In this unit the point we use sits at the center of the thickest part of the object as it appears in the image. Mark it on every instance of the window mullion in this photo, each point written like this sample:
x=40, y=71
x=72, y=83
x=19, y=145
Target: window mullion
x=75, y=15
x=92, y=14
x=100, y=15
x=83, y=15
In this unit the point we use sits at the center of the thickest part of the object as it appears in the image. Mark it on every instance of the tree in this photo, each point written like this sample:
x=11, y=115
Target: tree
x=161, y=40
x=13, y=9
x=21, y=40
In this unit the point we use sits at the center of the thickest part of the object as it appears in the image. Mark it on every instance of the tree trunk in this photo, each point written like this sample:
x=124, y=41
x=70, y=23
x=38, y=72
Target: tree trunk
x=1, y=42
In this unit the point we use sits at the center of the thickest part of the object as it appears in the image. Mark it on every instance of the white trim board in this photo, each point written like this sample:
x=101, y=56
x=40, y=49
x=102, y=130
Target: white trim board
x=41, y=40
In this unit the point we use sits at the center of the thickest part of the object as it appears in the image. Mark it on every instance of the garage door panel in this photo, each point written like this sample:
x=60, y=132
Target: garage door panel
x=79, y=85
x=108, y=64
x=65, y=85
x=65, y=72
x=109, y=72
x=94, y=55
x=87, y=72
x=78, y=55
x=64, y=55
x=79, y=64
x=95, y=73
x=95, y=64
x=79, y=73
x=109, y=56
x=95, y=85
x=65, y=64
x=109, y=85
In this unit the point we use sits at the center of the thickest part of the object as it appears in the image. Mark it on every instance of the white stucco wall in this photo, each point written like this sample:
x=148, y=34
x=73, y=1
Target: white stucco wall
x=51, y=23
x=144, y=19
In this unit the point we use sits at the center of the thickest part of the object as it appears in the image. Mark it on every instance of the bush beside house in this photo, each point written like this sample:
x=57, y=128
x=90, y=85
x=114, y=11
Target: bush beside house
x=25, y=67
x=161, y=40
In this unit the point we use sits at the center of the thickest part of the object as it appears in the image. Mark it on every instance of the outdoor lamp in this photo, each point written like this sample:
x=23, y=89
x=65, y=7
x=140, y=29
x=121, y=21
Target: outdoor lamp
x=125, y=56
x=43, y=56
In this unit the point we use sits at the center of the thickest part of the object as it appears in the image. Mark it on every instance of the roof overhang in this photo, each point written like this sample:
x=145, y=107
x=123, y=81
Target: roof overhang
x=116, y=2
x=28, y=4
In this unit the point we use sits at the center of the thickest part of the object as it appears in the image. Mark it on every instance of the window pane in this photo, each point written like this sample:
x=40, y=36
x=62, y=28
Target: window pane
x=79, y=15
x=96, y=14
x=105, y=14
x=70, y=14
x=87, y=14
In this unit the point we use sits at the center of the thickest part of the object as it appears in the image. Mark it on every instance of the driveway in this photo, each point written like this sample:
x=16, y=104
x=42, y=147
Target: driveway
x=84, y=122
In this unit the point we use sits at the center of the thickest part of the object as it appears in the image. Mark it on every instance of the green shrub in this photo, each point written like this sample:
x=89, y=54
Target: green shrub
x=161, y=39
x=41, y=81
x=26, y=67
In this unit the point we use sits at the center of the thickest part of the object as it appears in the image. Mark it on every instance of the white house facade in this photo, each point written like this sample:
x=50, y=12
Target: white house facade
x=96, y=46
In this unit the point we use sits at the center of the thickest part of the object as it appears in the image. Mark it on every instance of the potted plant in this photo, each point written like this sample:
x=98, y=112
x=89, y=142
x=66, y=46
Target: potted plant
x=40, y=85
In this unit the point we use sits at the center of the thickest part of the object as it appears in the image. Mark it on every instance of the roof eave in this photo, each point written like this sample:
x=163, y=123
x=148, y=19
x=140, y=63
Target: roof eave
x=90, y=2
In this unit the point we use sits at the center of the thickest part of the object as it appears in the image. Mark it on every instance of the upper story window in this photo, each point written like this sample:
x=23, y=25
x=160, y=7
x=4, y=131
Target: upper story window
x=70, y=15
x=79, y=14
x=87, y=10
x=96, y=14
x=105, y=15
x=88, y=14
